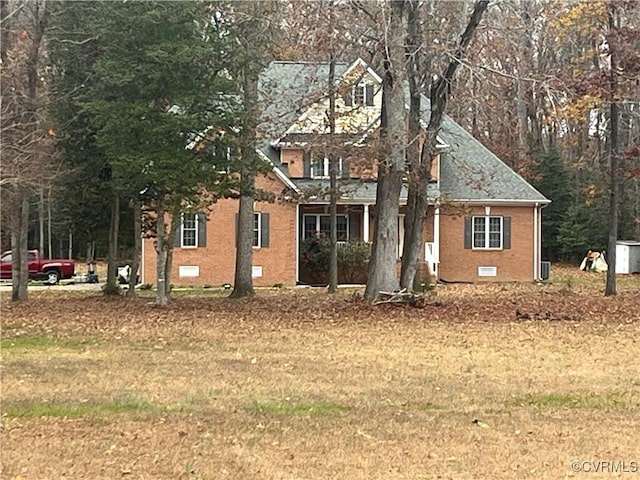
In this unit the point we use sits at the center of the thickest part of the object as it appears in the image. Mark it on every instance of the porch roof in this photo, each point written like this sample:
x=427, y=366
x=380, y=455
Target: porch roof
x=353, y=191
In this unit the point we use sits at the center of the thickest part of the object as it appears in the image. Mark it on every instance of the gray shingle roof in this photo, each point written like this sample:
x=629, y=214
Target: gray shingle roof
x=287, y=89
x=468, y=170
x=352, y=190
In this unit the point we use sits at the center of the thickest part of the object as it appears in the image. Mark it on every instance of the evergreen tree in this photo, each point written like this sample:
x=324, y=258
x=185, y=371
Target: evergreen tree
x=158, y=85
x=553, y=182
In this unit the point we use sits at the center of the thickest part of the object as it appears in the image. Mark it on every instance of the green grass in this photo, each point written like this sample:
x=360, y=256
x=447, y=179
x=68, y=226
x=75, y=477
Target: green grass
x=13, y=326
x=38, y=342
x=295, y=408
x=614, y=401
x=27, y=409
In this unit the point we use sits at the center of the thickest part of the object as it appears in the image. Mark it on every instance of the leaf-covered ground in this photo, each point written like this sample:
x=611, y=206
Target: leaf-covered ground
x=302, y=385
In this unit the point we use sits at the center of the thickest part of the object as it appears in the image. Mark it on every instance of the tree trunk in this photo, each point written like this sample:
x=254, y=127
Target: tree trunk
x=614, y=204
x=19, y=249
x=49, y=221
x=333, y=227
x=41, y=223
x=137, y=250
x=168, y=245
x=421, y=170
x=112, y=288
x=411, y=247
x=333, y=175
x=614, y=171
x=243, y=281
x=393, y=137
x=161, y=259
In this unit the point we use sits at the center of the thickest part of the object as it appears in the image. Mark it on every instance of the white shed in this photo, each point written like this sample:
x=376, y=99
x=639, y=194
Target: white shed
x=627, y=257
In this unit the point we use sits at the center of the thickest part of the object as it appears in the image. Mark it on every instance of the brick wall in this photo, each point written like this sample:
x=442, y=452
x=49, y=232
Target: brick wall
x=460, y=264
x=293, y=157
x=216, y=261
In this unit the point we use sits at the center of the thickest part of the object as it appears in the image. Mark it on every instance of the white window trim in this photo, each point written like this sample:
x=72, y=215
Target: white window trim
x=197, y=229
x=486, y=233
x=317, y=217
x=259, y=214
x=362, y=85
x=325, y=173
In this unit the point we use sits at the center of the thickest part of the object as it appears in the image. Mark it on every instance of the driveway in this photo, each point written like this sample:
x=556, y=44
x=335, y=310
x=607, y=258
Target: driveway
x=5, y=286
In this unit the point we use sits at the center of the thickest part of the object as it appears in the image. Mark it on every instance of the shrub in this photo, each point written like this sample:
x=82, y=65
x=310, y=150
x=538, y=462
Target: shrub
x=353, y=260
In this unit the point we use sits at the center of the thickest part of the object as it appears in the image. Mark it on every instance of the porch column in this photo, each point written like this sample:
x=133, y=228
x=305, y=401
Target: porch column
x=365, y=224
x=436, y=240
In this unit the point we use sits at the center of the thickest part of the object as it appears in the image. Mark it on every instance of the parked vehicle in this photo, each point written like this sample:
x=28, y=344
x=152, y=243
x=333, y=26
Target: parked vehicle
x=51, y=271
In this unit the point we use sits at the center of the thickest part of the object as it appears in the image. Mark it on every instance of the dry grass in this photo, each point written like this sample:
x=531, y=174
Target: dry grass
x=299, y=385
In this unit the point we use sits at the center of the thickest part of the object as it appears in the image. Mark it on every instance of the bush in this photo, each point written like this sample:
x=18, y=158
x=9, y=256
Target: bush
x=353, y=261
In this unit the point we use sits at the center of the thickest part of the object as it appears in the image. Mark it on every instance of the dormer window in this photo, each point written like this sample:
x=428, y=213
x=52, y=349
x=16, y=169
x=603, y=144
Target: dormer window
x=319, y=167
x=360, y=95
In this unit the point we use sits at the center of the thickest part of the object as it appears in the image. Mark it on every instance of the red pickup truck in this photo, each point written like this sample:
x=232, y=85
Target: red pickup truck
x=51, y=271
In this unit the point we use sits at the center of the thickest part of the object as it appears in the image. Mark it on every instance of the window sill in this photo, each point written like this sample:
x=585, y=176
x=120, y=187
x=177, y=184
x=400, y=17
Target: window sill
x=189, y=247
x=487, y=249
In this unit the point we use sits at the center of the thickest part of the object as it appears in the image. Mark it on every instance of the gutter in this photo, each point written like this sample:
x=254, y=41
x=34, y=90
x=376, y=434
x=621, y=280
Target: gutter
x=500, y=201
x=279, y=173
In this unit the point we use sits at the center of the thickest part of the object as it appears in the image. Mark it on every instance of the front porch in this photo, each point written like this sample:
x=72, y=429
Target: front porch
x=354, y=228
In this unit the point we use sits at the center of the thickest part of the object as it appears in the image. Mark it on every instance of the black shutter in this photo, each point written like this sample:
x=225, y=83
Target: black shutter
x=306, y=165
x=345, y=168
x=468, y=232
x=202, y=230
x=506, y=232
x=178, y=236
x=369, y=95
x=264, y=227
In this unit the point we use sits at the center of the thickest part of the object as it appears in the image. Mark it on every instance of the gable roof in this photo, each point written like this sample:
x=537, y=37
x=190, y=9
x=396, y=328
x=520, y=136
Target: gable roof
x=469, y=172
x=288, y=89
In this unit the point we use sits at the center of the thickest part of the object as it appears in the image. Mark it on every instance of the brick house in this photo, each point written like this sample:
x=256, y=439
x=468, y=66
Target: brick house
x=484, y=222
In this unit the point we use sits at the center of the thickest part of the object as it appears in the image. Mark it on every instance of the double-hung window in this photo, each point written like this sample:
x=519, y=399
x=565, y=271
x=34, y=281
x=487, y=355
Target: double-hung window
x=361, y=94
x=320, y=225
x=257, y=230
x=260, y=230
x=319, y=167
x=487, y=232
x=189, y=230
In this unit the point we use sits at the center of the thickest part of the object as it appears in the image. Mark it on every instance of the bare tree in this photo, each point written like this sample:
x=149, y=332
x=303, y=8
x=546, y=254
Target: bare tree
x=393, y=136
x=26, y=140
x=253, y=25
x=420, y=173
